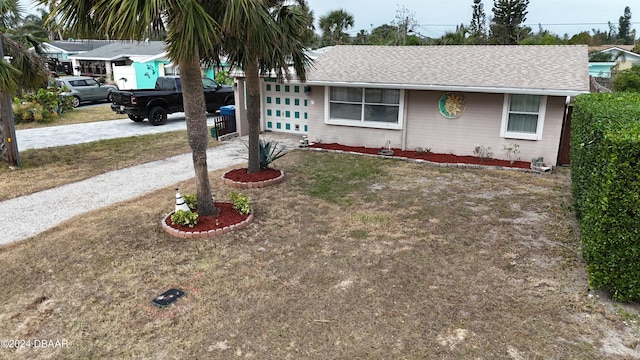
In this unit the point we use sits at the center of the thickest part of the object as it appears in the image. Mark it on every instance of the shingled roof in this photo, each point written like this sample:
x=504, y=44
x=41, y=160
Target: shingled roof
x=550, y=70
x=121, y=49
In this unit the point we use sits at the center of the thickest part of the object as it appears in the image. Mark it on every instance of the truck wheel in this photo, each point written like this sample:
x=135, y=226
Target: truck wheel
x=76, y=101
x=158, y=116
x=136, y=118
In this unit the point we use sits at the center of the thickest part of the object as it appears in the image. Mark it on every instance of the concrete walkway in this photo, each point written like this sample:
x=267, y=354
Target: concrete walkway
x=43, y=210
x=81, y=133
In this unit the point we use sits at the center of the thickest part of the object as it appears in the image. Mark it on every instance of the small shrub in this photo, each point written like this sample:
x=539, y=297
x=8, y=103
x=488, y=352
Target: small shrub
x=423, y=150
x=240, y=202
x=483, y=152
x=185, y=218
x=512, y=150
x=191, y=200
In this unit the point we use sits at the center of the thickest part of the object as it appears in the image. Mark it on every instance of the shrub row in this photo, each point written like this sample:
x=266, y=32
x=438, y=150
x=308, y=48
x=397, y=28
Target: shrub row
x=605, y=154
x=45, y=105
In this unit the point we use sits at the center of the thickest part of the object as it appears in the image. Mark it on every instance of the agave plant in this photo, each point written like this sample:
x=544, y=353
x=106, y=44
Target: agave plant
x=269, y=152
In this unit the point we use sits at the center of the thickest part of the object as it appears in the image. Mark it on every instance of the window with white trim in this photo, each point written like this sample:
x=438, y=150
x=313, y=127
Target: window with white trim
x=370, y=107
x=523, y=116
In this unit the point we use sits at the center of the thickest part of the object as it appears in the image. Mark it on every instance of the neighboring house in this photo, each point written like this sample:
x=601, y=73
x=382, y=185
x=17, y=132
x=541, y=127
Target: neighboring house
x=58, y=52
x=450, y=99
x=621, y=55
x=129, y=64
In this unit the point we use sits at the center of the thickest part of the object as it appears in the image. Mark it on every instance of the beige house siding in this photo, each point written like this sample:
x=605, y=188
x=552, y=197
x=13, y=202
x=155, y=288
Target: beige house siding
x=424, y=126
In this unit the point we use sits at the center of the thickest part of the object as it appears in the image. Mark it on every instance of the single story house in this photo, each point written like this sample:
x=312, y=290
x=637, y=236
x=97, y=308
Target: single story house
x=129, y=64
x=58, y=52
x=450, y=99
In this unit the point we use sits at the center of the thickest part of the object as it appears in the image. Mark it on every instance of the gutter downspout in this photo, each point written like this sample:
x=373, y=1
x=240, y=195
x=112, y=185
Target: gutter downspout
x=403, y=140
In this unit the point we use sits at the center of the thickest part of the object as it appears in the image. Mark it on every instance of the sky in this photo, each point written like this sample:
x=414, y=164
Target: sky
x=435, y=17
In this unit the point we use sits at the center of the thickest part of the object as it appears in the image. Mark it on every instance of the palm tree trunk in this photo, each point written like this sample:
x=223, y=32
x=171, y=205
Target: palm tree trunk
x=196, y=118
x=253, y=115
x=8, y=145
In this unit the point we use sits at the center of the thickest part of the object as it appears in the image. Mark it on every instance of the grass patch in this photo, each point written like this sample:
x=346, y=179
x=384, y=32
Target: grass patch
x=77, y=116
x=340, y=181
x=315, y=275
x=51, y=167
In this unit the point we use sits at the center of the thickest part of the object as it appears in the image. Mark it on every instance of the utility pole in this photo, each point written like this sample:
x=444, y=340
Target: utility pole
x=8, y=125
x=406, y=28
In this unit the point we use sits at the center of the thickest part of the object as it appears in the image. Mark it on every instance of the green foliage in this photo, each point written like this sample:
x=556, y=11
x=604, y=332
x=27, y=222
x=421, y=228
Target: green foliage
x=191, y=200
x=269, y=152
x=45, y=105
x=185, y=218
x=628, y=80
x=508, y=19
x=240, y=202
x=222, y=78
x=605, y=171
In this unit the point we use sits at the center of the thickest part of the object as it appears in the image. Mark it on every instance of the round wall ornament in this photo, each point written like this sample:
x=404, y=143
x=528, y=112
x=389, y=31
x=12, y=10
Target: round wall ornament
x=452, y=105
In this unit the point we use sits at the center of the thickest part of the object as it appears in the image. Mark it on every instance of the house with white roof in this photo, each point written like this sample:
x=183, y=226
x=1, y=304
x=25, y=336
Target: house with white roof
x=450, y=99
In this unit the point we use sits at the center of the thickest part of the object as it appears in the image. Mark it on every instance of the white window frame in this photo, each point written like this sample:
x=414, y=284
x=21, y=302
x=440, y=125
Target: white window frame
x=521, y=135
x=362, y=123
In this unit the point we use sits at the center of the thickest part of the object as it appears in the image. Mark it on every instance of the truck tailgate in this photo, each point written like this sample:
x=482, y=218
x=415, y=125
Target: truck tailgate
x=121, y=97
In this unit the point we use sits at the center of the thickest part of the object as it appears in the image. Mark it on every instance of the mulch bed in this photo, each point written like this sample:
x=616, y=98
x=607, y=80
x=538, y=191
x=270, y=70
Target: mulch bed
x=241, y=175
x=427, y=156
x=228, y=216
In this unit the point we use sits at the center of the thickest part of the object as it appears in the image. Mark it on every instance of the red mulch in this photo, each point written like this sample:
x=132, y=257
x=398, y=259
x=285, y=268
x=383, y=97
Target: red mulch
x=241, y=175
x=433, y=157
x=228, y=216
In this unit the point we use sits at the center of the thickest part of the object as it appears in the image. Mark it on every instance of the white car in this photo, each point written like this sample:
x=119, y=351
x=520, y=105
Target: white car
x=85, y=89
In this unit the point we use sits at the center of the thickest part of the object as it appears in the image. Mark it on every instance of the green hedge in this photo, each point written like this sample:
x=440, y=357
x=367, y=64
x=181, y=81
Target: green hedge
x=605, y=170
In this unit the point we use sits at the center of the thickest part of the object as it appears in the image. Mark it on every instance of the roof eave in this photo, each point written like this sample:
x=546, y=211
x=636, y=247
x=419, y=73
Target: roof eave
x=478, y=89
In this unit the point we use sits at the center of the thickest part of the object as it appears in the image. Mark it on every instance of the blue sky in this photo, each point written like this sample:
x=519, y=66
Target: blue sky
x=435, y=17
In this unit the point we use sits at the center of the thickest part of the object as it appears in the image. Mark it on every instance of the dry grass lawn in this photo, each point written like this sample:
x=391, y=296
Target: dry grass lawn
x=47, y=168
x=350, y=258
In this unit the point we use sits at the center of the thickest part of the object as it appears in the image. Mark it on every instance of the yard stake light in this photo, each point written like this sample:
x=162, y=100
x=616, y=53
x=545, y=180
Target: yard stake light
x=180, y=203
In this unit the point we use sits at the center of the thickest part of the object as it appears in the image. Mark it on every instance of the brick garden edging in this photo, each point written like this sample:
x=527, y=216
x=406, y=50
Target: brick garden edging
x=202, y=234
x=253, y=184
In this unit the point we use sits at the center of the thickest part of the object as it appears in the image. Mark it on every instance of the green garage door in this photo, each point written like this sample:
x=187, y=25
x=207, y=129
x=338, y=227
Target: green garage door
x=285, y=107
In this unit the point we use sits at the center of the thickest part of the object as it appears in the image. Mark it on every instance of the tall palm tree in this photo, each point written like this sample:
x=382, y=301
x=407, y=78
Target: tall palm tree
x=25, y=71
x=265, y=36
x=334, y=26
x=191, y=33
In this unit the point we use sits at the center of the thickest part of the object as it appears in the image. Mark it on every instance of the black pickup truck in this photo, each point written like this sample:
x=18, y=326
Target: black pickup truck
x=166, y=98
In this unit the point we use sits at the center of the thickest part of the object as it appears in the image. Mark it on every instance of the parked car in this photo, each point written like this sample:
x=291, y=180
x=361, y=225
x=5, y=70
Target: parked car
x=85, y=89
x=166, y=98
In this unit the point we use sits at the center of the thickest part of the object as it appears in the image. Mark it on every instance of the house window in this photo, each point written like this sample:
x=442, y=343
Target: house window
x=523, y=116
x=370, y=107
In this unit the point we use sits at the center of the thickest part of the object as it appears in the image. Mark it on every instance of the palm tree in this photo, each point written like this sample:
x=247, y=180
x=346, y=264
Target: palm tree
x=191, y=33
x=334, y=26
x=25, y=71
x=264, y=36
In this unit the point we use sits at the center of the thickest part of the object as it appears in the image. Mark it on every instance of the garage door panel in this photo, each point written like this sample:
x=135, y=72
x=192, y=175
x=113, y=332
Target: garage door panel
x=284, y=107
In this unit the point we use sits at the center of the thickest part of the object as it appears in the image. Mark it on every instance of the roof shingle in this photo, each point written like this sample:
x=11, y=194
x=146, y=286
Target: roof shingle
x=532, y=67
